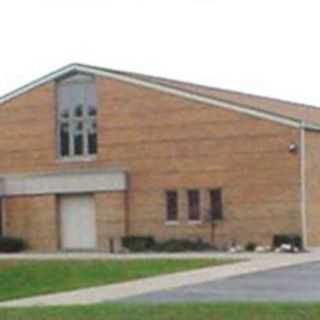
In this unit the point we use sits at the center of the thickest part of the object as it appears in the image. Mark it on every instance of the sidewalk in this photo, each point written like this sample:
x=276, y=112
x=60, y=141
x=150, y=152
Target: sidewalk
x=128, y=256
x=257, y=262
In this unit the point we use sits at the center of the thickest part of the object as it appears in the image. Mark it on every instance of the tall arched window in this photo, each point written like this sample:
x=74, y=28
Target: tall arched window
x=77, y=116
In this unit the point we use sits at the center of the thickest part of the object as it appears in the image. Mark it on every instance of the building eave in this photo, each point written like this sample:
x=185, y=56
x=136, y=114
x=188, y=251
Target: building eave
x=292, y=122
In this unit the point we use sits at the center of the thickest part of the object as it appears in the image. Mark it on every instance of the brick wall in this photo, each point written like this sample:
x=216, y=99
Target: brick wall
x=33, y=219
x=312, y=172
x=111, y=216
x=167, y=142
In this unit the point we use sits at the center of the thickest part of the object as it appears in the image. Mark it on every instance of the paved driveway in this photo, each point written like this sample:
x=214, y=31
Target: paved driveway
x=296, y=283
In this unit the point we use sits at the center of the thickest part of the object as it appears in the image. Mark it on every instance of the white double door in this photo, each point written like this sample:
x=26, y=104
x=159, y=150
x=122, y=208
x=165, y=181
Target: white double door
x=78, y=222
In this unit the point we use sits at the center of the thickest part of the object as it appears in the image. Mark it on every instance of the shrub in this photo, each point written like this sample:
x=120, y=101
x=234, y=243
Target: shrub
x=250, y=246
x=293, y=239
x=147, y=243
x=10, y=244
x=179, y=245
x=137, y=243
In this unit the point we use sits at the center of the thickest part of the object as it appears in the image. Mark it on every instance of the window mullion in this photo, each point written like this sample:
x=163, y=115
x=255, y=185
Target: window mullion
x=71, y=137
x=85, y=138
x=84, y=128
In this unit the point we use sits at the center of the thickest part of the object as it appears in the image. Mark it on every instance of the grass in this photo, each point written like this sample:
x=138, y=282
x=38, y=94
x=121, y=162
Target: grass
x=28, y=278
x=168, y=312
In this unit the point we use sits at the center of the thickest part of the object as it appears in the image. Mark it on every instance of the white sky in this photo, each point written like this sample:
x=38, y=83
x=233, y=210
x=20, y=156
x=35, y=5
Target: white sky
x=268, y=47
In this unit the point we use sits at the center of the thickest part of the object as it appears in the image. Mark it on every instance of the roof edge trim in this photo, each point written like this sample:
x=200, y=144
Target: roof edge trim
x=159, y=87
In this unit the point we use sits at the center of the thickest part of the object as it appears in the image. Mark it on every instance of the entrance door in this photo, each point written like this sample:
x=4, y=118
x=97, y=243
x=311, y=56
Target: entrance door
x=78, y=222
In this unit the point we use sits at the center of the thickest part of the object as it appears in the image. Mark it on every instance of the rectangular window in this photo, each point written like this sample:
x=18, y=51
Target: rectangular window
x=216, y=204
x=172, y=205
x=194, y=205
x=77, y=116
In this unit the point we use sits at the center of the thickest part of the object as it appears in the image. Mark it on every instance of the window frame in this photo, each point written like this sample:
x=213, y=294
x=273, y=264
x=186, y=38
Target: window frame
x=87, y=119
x=191, y=208
x=168, y=220
x=216, y=206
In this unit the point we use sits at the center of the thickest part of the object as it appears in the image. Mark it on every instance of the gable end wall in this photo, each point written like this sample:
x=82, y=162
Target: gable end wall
x=168, y=142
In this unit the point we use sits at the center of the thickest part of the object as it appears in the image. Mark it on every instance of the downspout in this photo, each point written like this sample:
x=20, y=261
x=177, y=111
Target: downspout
x=303, y=186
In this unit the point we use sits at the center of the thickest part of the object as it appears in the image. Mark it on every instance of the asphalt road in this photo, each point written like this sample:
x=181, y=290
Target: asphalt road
x=297, y=283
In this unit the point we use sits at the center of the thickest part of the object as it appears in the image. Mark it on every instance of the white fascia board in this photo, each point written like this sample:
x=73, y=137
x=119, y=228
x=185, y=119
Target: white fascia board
x=63, y=183
x=312, y=127
x=159, y=87
x=194, y=97
x=43, y=80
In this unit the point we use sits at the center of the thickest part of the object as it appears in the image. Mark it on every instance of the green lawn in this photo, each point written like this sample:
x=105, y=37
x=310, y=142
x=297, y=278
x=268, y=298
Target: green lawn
x=27, y=278
x=169, y=312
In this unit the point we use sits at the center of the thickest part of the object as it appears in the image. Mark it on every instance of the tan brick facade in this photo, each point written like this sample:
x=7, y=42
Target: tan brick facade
x=111, y=215
x=312, y=172
x=163, y=142
x=33, y=219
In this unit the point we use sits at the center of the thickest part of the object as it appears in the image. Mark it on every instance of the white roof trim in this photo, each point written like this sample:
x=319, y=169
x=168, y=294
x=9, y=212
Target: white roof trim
x=177, y=92
x=47, y=78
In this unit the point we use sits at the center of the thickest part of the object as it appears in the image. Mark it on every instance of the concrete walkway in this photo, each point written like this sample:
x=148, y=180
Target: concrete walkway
x=123, y=256
x=258, y=262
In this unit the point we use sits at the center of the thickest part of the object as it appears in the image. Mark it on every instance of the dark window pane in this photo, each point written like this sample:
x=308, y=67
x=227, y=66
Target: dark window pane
x=194, y=204
x=92, y=110
x=64, y=114
x=94, y=126
x=78, y=144
x=78, y=111
x=79, y=126
x=172, y=205
x=64, y=139
x=216, y=204
x=92, y=143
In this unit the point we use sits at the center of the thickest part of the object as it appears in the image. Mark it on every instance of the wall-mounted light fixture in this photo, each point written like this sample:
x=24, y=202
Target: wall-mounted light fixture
x=293, y=148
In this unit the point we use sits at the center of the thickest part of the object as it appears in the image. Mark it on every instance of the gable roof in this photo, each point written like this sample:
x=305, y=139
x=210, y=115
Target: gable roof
x=287, y=113
x=298, y=111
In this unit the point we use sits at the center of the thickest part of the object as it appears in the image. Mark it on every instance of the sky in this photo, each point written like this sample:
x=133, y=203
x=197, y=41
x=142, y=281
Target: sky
x=265, y=47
